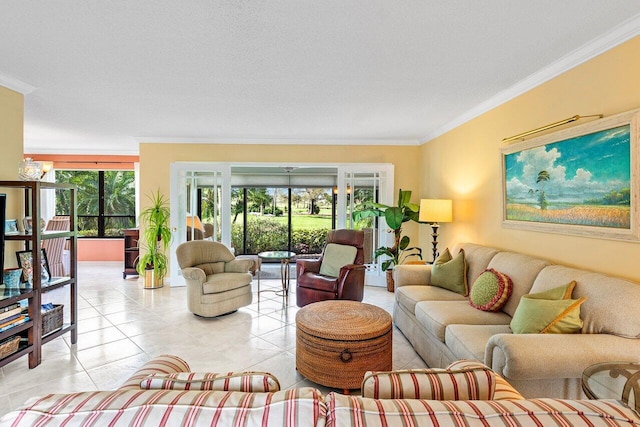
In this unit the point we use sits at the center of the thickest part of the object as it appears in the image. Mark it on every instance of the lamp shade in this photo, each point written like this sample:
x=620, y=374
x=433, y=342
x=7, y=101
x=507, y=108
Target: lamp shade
x=435, y=210
x=193, y=221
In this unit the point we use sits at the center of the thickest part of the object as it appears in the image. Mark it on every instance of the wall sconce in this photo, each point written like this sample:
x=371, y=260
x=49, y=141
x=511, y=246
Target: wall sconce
x=46, y=167
x=435, y=211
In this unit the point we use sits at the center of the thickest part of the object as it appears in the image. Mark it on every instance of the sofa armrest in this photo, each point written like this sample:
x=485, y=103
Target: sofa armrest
x=411, y=275
x=307, y=265
x=164, y=364
x=552, y=356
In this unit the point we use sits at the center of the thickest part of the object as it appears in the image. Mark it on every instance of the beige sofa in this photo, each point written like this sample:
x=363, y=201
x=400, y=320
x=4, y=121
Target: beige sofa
x=442, y=326
x=161, y=394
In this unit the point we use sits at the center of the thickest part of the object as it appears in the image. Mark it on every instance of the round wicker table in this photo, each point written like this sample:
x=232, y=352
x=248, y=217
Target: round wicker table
x=338, y=341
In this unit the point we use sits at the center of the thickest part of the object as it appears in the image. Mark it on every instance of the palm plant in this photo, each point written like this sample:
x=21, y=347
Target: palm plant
x=395, y=216
x=156, y=236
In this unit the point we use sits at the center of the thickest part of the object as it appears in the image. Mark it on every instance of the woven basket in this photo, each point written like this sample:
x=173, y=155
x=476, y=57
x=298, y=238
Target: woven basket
x=52, y=319
x=338, y=341
x=9, y=347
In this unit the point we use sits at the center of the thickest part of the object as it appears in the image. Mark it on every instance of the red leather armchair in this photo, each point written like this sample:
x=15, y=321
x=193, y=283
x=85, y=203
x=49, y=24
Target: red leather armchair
x=311, y=286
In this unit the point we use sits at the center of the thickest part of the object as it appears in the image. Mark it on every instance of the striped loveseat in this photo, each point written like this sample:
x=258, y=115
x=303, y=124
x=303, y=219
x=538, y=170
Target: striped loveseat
x=163, y=393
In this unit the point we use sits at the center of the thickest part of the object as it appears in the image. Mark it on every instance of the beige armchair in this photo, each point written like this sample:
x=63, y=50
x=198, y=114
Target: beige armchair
x=217, y=282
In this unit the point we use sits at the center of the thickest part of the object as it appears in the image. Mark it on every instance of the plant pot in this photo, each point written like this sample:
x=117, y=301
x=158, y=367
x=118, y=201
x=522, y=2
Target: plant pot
x=390, y=283
x=151, y=280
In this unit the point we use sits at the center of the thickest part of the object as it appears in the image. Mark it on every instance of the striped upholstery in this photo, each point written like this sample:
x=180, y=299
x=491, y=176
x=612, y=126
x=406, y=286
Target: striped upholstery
x=361, y=411
x=297, y=407
x=504, y=390
x=55, y=247
x=258, y=382
x=475, y=383
x=164, y=364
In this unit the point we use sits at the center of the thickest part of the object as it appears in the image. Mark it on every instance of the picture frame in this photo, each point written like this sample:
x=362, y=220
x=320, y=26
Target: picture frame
x=11, y=227
x=579, y=181
x=27, y=224
x=25, y=261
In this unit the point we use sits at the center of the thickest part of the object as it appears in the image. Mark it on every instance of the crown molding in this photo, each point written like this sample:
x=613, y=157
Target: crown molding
x=618, y=35
x=16, y=85
x=277, y=141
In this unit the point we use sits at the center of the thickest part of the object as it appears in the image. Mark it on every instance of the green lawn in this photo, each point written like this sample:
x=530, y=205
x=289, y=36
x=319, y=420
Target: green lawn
x=306, y=221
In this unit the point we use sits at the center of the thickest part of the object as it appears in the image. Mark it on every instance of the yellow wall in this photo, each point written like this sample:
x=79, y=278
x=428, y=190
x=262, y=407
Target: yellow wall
x=11, y=141
x=155, y=160
x=465, y=163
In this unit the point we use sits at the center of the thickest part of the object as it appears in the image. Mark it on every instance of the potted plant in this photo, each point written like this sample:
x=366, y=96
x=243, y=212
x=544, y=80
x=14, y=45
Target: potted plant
x=395, y=217
x=153, y=264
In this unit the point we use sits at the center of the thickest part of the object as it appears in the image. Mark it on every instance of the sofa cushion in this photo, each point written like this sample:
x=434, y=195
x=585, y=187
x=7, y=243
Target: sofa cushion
x=522, y=269
x=477, y=257
x=409, y=296
x=470, y=341
x=450, y=273
x=302, y=406
x=231, y=381
x=469, y=383
x=435, y=316
x=335, y=257
x=363, y=411
x=597, y=312
x=224, y=282
x=491, y=290
x=539, y=316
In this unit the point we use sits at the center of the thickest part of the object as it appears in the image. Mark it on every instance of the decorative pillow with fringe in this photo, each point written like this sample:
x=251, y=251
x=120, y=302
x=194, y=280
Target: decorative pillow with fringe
x=474, y=383
x=232, y=381
x=490, y=291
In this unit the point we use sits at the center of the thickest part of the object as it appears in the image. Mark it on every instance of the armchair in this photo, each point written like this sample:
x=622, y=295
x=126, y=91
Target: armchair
x=338, y=274
x=217, y=282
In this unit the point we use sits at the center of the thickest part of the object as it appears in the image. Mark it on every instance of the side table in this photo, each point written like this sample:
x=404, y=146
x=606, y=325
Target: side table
x=285, y=257
x=613, y=380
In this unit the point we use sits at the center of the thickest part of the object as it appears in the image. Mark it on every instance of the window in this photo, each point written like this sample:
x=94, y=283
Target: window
x=106, y=201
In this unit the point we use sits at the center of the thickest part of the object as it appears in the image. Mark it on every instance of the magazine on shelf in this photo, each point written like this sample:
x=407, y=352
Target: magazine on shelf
x=14, y=323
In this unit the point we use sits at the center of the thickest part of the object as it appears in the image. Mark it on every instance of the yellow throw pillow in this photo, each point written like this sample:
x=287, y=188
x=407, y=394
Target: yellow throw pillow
x=551, y=312
x=450, y=273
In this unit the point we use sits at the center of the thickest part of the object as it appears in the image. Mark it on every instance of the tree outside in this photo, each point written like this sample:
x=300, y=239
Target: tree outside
x=116, y=208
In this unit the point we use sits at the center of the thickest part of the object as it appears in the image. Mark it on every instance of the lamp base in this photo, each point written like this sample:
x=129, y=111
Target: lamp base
x=435, y=227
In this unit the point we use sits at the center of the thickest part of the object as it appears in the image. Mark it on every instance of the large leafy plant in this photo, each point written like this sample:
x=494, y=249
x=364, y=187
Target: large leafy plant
x=395, y=217
x=156, y=237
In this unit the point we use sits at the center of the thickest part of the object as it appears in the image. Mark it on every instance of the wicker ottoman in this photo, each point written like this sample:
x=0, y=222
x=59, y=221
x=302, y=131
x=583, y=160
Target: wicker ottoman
x=338, y=341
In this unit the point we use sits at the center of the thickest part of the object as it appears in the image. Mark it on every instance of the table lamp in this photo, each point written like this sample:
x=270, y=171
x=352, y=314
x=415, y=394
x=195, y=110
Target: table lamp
x=435, y=211
x=193, y=221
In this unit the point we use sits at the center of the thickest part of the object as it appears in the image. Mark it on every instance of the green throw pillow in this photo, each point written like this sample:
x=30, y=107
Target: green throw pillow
x=491, y=290
x=335, y=257
x=552, y=311
x=540, y=316
x=450, y=273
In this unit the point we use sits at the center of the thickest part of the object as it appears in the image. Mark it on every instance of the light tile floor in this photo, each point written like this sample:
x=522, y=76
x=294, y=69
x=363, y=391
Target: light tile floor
x=121, y=325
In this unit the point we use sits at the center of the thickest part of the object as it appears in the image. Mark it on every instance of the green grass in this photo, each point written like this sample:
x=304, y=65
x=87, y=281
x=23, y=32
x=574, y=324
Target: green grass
x=306, y=221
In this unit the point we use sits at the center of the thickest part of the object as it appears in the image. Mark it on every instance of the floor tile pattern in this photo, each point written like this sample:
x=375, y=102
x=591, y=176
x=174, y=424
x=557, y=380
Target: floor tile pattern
x=121, y=325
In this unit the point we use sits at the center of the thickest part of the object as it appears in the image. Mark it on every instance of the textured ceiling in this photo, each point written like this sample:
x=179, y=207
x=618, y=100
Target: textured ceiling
x=100, y=76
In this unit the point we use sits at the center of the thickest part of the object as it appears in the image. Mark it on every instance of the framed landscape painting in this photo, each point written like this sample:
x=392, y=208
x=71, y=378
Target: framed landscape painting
x=580, y=181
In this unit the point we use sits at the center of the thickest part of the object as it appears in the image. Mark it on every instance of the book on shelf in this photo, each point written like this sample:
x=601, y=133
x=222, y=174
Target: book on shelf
x=10, y=313
x=12, y=324
x=9, y=307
